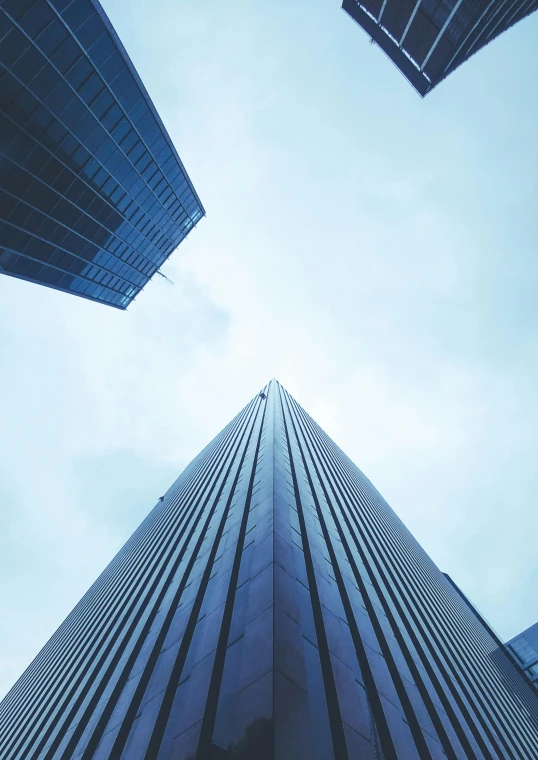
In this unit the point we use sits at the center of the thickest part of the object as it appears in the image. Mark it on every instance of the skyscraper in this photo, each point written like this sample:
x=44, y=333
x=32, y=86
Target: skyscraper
x=525, y=648
x=271, y=605
x=93, y=195
x=427, y=40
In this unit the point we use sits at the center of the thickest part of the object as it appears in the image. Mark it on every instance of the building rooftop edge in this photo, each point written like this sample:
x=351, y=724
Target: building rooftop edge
x=132, y=68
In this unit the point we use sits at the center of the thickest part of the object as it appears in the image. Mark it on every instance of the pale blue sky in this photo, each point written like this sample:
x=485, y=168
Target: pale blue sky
x=375, y=252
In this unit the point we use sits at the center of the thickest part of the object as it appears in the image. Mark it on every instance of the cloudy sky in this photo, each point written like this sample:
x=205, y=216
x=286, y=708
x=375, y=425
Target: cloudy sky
x=375, y=252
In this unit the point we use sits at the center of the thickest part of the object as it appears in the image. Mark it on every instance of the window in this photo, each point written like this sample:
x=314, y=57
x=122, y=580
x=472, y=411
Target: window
x=168, y=164
x=108, y=188
x=67, y=146
x=136, y=153
x=36, y=18
x=129, y=179
x=130, y=98
x=146, y=123
x=123, y=203
x=60, y=259
x=114, y=160
x=52, y=37
x=77, y=13
x=142, y=194
x=136, y=189
x=101, y=49
x=129, y=140
x=41, y=117
x=105, y=151
x=84, y=126
x=44, y=81
x=91, y=88
x=13, y=238
x=80, y=156
x=144, y=162
x=62, y=180
x=72, y=112
x=11, y=47
x=121, y=130
x=138, y=110
x=91, y=168
x=21, y=147
x=122, y=172
x=117, y=195
x=137, y=217
x=28, y=268
x=66, y=55
x=163, y=155
x=17, y=8
x=112, y=118
x=112, y=67
x=28, y=64
x=60, y=95
x=157, y=145
x=79, y=72
x=102, y=104
x=60, y=5
x=90, y=30
x=100, y=178
x=96, y=139
x=86, y=196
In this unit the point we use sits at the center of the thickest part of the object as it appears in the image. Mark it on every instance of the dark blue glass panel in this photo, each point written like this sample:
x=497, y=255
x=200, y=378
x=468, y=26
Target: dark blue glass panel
x=63, y=124
x=77, y=13
x=52, y=37
x=101, y=49
x=36, y=18
x=12, y=46
x=66, y=55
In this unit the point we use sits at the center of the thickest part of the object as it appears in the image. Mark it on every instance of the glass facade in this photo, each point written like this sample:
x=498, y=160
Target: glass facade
x=525, y=648
x=271, y=605
x=427, y=39
x=93, y=196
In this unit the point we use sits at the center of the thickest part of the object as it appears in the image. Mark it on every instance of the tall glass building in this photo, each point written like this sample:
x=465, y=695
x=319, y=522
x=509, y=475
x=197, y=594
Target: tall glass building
x=427, y=39
x=271, y=605
x=93, y=195
x=525, y=648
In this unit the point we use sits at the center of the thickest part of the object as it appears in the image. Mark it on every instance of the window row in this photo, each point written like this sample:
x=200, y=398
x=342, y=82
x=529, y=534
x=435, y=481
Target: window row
x=39, y=193
x=56, y=44
x=39, y=235
x=98, y=145
x=66, y=146
x=59, y=263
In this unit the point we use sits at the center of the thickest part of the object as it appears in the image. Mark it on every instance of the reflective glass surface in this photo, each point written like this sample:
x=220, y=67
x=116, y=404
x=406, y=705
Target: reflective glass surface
x=272, y=607
x=93, y=196
x=428, y=39
x=525, y=648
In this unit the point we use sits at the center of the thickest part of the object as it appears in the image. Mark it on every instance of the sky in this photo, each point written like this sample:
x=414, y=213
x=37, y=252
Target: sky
x=373, y=251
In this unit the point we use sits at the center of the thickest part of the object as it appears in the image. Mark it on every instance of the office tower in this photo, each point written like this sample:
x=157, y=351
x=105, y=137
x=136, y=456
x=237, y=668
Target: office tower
x=525, y=648
x=427, y=40
x=518, y=651
x=93, y=195
x=271, y=606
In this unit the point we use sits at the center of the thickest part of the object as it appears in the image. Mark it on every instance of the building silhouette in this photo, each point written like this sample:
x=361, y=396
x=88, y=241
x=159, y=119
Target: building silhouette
x=427, y=39
x=93, y=196
x=271, y=605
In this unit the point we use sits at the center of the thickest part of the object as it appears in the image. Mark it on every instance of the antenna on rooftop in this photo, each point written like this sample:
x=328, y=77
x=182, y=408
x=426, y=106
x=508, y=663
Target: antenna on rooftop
x=164, y=276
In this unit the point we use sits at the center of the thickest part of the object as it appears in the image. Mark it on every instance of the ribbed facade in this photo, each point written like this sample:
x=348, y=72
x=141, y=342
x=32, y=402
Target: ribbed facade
x=427, y=39
x=271, y=606
x=93, y=195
